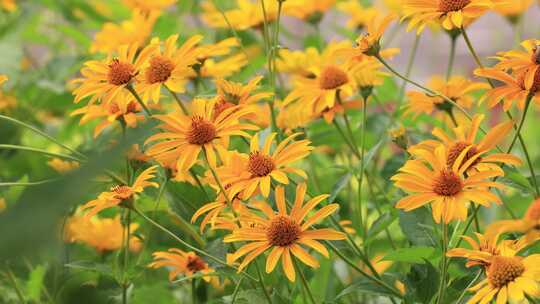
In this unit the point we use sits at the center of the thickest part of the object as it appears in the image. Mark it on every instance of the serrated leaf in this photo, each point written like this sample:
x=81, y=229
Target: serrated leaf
x=410, y=255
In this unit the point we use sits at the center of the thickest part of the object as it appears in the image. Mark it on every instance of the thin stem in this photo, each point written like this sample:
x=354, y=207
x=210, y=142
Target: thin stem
x=379, y=211
x=346, y=139
x=41, y=151
x=125, y=283
x=130, y=88
x=45, y=135
x=13, y=282
x=216, y=178
x=178, y=101
x=236, y=290
x=362, y=152
x=304, y=281
x=408, y=71
x=444, y=228
x=364, y=273
x=473, y=53
x=194, y=291
x=24, y=184
x=449, y=68
x=235, y=34
x=200, y=251
x=469, y=286
x=261, y=282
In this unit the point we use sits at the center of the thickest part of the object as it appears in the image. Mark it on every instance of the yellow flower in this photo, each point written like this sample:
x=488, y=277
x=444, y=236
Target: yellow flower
x=9, y=5
x=529, y=225
x=458, y=88
x=104, y=80
x=449, y=13
x=307, y=9
x=482, y=249
x=223, y=68
x=359, y=15
x=103, y=234
x=186, y=136
x=147, y=6
x=230, y=94
x=3, y=204
x=62, y=166
x=121, y=194
x=181, y=262
x=262, y=166
x=298, y=63
x=134, y=31
x=464, y=136
x=515, y=89
x=220, y=48
x=511, y=8
x=284, y=232
x=170, y=67
x=524, y=63
x=369, y=43
x=247, y=14
x=508, y=278
x=448, y=189
x=125, y=110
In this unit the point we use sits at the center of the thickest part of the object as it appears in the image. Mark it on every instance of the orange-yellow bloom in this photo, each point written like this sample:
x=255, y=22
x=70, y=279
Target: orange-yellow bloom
x=181, y=262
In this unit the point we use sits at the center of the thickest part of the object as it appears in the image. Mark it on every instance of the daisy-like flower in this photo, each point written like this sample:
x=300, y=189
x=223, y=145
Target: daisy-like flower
x=359, y=16
x=222, y=68
x=284, y=232
x=511, y=9
x=450, y=14
x=464, y=136
x=184, y=137
x=509, y=278
x=247, y=14
x=262, y=166
x=311, y=11
x=520, y=62
x=230, y=94
x=103, y=234
x=62, y=166
x=448, y=189
x=482, y=249
x=134, y=31
x=458, y=89
x=181, y=262
x=104, y=80
x=148, y=6
x=370, y=43
x=514, y=89
x=529, y=225
x=170, y=67
x=127, y=111
x=121, y=194
x=298, y=63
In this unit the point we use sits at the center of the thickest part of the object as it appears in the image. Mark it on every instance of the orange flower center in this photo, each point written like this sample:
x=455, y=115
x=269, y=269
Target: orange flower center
x=122, y=192
x=283, y=231
x=447, y=6
x=195, y=263
x=504, y=270
x=332, y=78
x=533, y=212
x=456, y=150
x=536, y=85
x=202, y=131
x=160, y=69
x=131, y=107
x=120, y=73
x=447, y=183
x=260, y=164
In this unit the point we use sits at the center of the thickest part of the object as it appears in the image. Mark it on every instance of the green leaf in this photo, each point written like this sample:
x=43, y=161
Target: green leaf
x=156, y=293
x=415, y=225
x=341, y=183
x=364, y=285
x=35, y=283
x=410, y=255
x=381, y=223
x=422, y=282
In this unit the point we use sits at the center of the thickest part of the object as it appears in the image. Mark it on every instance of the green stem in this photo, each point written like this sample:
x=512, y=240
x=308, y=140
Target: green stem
x=379, y=211
x=408, y=71
x=235, y=34
x=236, y=290
x=130, y=88
x=304, y=281
x=261, y=282
x=346, y=139
x=23, y=184
x=449, y=68
x=444, y=228
x=178, y=101
x=362, y=153
x=469, y=286
x=193, y=248
x=473, y=53
x=216, y=178
x=43, y=134
x=41, y=151
x=194, y=291
x=125, y=283
x=13, y=282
